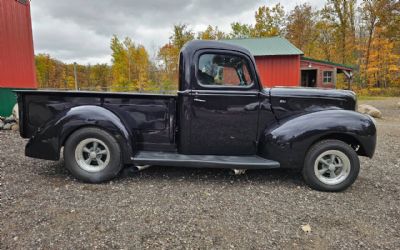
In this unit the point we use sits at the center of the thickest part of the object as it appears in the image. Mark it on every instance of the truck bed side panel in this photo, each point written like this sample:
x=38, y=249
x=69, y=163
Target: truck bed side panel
x=147, y=116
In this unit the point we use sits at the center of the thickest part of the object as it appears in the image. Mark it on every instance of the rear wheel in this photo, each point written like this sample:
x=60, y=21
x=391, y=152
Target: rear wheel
x=92, y=155
x=331, y=165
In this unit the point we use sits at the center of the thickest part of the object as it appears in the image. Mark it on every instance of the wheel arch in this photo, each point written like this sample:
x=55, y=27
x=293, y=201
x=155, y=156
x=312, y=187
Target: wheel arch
x=288, y=141
x=48, y=141
x=347, y=138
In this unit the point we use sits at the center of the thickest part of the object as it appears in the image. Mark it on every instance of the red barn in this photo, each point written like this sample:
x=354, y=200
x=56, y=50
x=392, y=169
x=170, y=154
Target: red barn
x=280, y=63
x=17, y=66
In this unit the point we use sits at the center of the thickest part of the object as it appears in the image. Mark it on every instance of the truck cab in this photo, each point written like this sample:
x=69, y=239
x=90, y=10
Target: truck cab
x=221, y=117
x=219, y=100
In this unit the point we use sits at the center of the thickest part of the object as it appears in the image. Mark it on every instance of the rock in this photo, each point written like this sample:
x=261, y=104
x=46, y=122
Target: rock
x=7, y=126
x=15, y=112
x=15, y=127
x=10, y=119
x=370, y=110
x=306, y=228
x=1, y=124
x=398, y=105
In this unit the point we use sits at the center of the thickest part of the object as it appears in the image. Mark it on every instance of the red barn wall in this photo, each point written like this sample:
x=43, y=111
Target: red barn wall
x=279, y=70
x=17, y=66
x=320, y=67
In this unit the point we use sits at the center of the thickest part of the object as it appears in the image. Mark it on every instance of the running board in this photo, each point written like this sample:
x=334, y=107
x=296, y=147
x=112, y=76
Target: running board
x=203, y=161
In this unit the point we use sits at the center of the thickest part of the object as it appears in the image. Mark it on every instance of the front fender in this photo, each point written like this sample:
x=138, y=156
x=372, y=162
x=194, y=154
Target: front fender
x=48, y=140
x=289, y=140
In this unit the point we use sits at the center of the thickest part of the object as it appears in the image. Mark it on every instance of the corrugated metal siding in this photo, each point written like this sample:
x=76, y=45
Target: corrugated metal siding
x=279, y=70
x=17, y=66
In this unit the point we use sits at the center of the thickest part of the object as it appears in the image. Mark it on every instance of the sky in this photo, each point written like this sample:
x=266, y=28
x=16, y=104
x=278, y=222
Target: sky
x=80, y=30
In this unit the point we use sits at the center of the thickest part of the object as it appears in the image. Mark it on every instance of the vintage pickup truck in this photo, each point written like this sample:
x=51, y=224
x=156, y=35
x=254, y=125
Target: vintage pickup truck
x=221, y=117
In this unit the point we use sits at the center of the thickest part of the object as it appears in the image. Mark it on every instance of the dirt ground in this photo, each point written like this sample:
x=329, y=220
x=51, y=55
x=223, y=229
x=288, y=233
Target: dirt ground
x=42, y=206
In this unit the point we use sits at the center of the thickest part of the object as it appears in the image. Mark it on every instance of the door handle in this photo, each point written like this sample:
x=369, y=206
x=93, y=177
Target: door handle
x=199, y=100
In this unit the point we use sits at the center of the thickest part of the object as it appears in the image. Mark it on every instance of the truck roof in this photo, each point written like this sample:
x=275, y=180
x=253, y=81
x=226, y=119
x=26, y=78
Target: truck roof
x=191, y=47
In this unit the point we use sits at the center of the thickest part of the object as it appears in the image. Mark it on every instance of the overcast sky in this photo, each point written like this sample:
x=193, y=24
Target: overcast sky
x=80, y=30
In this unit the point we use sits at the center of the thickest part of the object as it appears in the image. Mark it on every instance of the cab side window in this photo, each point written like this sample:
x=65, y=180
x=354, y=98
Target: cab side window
x=223, y=70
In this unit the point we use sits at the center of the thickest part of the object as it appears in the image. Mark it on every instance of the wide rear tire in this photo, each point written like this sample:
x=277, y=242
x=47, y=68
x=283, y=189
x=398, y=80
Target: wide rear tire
x=92, y=155
x=331, y=165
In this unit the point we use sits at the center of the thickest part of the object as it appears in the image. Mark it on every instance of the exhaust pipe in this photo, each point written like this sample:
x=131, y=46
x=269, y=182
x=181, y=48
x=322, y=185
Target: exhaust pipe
x=132, y=170
x=239, y=171
x=141, y=167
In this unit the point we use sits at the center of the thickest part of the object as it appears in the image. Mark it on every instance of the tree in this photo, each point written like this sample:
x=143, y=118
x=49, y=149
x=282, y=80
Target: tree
x=300, y=28
x=211, y=33
x=182, y=34
x=269, y=21
x=50, y=72
x=142, y=67
x=130, y=65
x=168, y=55
x=382, y=15
x=120, y=71
x=43, y=69
x=383, y=67
x=100, y=76
x=240, y=30
x=325, y=41
x=341, y=14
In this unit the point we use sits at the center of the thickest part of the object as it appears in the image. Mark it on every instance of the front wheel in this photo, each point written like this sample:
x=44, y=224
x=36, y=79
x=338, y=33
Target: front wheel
x=331, y=165
x=92, y=155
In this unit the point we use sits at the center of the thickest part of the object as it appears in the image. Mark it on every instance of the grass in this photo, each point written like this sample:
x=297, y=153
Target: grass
x=368, y=97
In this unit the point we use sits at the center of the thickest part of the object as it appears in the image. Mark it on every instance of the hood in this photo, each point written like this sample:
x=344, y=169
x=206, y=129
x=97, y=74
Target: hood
x=291, y=101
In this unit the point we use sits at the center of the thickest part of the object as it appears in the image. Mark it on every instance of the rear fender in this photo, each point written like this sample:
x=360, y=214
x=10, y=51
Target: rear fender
x=289, y=140
x=48, y=140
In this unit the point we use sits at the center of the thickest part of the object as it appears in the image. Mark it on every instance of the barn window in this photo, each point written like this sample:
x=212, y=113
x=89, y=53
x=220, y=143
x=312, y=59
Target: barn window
x=223, y=70
x=327, y=76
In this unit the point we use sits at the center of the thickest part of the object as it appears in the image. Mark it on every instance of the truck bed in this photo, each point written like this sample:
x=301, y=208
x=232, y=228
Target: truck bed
x=150, y=116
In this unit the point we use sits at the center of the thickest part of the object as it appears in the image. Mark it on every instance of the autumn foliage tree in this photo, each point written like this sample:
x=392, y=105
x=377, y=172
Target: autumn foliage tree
x=380, y=43
x=211, y=33
x=269, y=21
x=130, y=65
x=340, y=14
x=55, y=74
x=301, y=28
x=168, y=55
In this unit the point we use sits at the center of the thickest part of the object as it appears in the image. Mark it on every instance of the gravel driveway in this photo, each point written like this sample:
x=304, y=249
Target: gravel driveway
x=42, y=206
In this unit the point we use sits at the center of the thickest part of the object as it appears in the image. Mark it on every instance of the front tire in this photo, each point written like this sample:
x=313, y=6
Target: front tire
x=92, y=155
x=331, y=165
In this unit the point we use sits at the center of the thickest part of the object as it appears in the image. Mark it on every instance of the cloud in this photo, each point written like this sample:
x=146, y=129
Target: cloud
x=77, y=30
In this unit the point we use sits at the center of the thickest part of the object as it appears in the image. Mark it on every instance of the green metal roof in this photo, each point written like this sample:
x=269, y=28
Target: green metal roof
x=270, y=46
x=327, y=62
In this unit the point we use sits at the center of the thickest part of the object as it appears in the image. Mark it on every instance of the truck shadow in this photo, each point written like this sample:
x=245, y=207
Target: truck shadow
x=162, y=173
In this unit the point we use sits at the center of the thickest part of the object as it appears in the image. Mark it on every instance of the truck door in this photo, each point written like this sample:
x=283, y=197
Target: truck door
x=224, y=104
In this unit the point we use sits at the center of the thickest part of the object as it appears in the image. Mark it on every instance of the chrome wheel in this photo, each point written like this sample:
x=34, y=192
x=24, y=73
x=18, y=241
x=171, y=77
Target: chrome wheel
x=332, y=167
x=92, y=155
